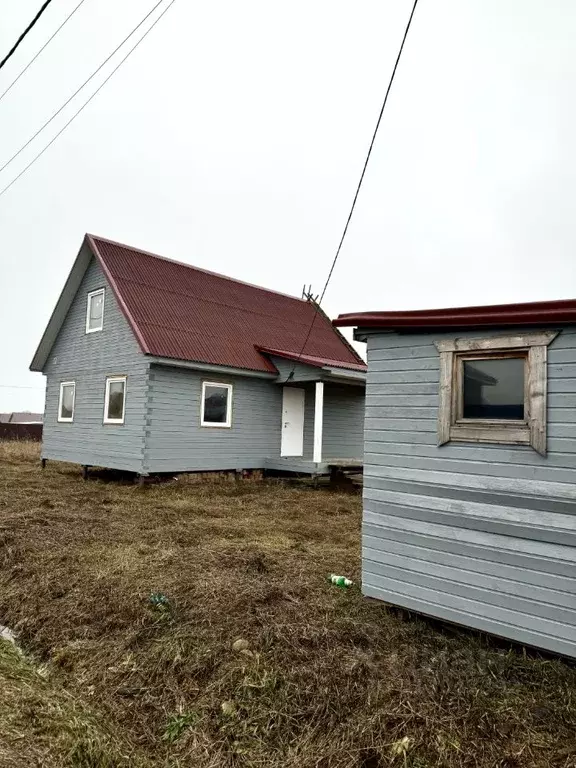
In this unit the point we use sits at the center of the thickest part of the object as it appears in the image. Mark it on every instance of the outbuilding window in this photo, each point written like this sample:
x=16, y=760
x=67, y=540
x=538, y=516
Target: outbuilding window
x=216, y=404
x=493, y=390
x=95, y=311
x=115, y=400
x=66, y=401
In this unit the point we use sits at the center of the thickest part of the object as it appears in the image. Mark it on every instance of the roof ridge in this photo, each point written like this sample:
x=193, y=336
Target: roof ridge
x=94, y=238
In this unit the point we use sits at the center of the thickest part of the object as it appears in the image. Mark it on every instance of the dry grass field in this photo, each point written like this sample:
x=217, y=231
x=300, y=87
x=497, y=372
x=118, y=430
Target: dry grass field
x=322, y=678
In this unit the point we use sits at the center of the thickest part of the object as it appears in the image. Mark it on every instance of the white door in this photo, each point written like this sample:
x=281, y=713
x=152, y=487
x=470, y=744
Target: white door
x=292, y=422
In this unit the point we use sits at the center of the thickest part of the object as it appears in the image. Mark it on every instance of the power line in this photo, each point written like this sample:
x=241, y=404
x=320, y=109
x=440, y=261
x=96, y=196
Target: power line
x=17, y=386
x=77, y=91
x=27, y=67
x=75, y=115
x=357, y=188
x=12, y=50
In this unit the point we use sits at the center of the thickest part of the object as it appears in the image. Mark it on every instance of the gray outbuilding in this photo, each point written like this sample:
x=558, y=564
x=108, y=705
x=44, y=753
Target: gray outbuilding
x=156, y=366
x=470, y=467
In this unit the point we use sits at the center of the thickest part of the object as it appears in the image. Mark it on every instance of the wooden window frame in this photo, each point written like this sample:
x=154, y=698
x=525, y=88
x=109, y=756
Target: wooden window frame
x=531, y=430
x=217, y=425
x=91, y=295
x=114, y=380
x=62, y=419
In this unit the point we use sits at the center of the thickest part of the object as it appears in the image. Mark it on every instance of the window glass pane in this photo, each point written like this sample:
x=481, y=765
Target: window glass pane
x=216, y=404
x=95, y=312
x=67, y=405
x=115, y=400
x=494, y=389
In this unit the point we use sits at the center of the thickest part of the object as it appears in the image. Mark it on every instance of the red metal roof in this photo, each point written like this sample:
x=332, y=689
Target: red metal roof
x=317, y=362
x=185, y=313
x=532, y=313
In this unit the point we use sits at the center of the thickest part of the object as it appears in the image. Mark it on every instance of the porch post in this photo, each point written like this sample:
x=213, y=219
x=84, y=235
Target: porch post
x=318, y=421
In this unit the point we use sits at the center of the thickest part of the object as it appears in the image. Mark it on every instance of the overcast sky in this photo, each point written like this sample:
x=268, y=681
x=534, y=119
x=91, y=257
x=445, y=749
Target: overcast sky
x=233, y=139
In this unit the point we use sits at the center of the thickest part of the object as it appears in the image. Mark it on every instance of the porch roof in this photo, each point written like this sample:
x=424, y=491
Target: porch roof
x=316, y=362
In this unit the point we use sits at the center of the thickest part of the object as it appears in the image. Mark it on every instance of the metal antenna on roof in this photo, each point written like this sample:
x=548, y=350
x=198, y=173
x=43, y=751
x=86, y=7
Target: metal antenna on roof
x=309, y=296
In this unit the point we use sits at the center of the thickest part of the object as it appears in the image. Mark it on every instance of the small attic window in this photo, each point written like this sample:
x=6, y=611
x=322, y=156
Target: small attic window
x=95, y=311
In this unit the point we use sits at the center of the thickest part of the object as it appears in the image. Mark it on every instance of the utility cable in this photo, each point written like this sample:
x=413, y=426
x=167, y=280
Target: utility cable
x=12, y=50
x=319, y=302
x=84, y=84
x=75, y=115
x=17, y=386
x=27, y=67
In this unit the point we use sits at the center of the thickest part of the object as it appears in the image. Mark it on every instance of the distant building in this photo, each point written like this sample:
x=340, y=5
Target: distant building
x=23, y=417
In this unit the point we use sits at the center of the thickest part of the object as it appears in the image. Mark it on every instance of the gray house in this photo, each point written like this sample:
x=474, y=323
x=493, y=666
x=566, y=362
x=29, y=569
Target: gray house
x=155, y=366
x=470, y=467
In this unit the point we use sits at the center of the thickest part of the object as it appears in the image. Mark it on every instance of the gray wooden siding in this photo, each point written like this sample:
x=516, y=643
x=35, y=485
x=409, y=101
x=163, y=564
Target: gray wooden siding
x=479, y=535
x=88, y=359
x=175, y=441
x=343, y=433
x=300, y=371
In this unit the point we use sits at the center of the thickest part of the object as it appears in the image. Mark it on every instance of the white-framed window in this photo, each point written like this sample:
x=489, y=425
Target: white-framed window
x=493, y=390
x=66, y=401
x=95, y=311
x=115, y=400
x=216, y=404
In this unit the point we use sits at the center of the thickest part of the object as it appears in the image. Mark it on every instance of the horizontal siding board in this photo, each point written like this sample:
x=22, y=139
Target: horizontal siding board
x=562, y=370
x=480, y=534
x=468, y=467
x=531, y=570
x=385, y=376
x=480, y=587
x=441, y=482
x=510, y=521
x=463, y=612
x=495, y=499
x=452, y=595
x=401, y=388
x=468, y=451
x=381, y=423
x=374, y=437
x=557, y=559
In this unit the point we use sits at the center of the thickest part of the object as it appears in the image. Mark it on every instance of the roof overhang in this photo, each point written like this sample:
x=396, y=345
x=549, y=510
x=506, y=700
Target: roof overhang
x=62, y=306
x=497, y=315
x=344, y=377
x=315, y=362
x=219, y=370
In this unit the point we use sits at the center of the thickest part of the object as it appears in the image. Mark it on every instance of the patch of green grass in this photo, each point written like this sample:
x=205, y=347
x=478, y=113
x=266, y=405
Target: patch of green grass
x=177, y=724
